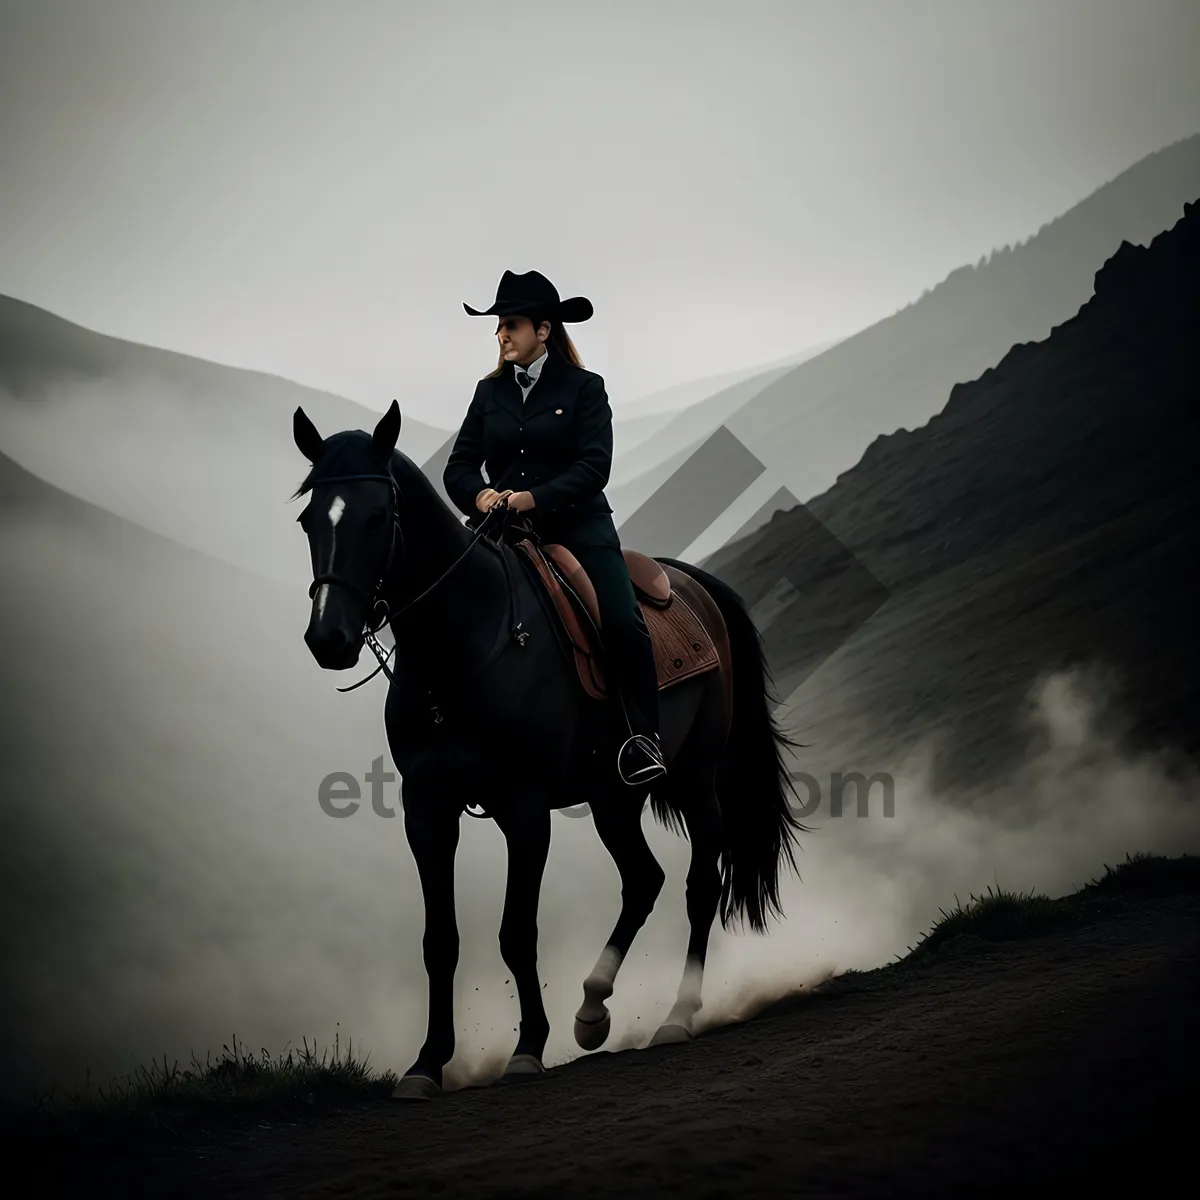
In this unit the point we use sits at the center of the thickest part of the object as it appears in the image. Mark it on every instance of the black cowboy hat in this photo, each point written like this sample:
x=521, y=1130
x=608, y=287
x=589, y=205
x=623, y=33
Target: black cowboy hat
x=533, y=294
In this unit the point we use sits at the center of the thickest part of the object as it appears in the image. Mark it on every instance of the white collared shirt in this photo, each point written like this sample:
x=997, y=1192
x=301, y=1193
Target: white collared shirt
x=533, y=371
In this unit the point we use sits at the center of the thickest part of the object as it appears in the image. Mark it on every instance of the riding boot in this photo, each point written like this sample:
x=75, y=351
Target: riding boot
x=640, y=758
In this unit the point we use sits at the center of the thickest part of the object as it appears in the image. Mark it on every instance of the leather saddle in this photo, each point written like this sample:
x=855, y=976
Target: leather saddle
x=683, y=647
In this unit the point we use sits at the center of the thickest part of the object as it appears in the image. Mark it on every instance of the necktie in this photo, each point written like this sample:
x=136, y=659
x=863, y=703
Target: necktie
x=523, y=379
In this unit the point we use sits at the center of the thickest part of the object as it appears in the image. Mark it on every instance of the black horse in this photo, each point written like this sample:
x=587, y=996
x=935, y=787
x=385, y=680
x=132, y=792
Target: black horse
x=484, y=709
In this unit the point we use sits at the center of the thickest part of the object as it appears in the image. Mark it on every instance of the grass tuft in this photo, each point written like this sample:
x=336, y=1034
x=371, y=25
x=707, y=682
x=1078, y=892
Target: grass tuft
x=237, y=1087
x=1001, y=916
x=996, y=916
x=1149, y=875
x=1006, y=916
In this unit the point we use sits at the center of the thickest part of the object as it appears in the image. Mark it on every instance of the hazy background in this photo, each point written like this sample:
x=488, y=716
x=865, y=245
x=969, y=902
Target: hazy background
x=314, y=189
x=312, y=193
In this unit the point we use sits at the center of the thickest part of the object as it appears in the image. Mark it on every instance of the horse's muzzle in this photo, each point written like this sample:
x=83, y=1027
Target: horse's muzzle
x=333, y=649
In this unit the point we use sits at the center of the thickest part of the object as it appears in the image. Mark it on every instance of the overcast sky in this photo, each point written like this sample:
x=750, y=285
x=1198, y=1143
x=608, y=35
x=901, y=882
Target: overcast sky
x=314, y=189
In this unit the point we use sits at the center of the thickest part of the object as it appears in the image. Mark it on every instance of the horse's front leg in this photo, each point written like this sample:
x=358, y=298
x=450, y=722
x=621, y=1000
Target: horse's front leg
x=431, y=826
x=526, y=829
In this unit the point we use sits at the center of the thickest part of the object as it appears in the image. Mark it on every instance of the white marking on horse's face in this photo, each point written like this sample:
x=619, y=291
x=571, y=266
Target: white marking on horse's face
x=335, y=515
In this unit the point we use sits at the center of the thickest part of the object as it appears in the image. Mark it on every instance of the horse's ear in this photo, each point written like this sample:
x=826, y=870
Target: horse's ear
x=387, y=431
x=308, y=441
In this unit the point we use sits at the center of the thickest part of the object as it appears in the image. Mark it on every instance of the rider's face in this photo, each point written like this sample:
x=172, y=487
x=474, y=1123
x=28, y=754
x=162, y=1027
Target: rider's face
x=519, y=341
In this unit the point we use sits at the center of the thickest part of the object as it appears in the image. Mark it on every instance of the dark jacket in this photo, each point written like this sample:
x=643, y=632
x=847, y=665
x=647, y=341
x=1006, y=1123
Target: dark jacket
x=556, y=446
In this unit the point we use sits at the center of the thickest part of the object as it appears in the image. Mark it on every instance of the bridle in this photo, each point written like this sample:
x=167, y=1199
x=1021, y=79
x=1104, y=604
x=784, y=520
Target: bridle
x=372, y=598
x=375, y=601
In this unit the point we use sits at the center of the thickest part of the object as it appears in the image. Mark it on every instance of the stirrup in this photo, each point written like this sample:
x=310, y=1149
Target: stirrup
x=655, y=769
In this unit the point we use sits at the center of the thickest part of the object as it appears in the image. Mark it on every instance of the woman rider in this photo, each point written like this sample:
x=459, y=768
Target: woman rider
x=541, y=426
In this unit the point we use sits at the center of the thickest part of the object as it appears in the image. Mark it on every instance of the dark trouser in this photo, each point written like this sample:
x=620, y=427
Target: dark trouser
x=629, y=653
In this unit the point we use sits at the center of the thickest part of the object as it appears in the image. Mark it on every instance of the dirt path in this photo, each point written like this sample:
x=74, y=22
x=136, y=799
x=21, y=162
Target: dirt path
x=1067, y=1058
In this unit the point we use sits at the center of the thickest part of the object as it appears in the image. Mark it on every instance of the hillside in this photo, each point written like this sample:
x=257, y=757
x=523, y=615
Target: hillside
x=989, y=1062
x=671, y=401
x=1046, y=517
x=667, y=426
x=815, y=420
x=198, y=452
x=41, y=354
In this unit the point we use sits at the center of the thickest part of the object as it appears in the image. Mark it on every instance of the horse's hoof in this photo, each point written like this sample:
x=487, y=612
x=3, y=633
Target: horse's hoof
x=416, y=1087
x=591, y=1035
x=522, y=1067
x=670, y=1035
x=592, y=1021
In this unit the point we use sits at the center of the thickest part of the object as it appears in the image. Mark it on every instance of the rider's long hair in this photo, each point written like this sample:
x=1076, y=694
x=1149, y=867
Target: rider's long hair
x=559, y=342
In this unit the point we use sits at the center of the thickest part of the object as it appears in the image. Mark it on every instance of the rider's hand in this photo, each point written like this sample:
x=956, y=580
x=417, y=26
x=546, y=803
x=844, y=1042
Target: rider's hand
x=488, y=498
x=521, y=501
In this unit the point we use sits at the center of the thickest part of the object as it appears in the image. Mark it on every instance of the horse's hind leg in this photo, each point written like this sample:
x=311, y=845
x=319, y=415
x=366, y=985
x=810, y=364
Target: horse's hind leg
x=526, y=829
x=702, y=814
x=619, y=824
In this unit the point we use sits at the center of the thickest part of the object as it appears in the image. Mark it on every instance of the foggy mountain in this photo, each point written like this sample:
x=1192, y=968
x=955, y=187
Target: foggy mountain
x=1046, y=519
x=635, y=474
x=670, y=401
x=691, y=409
x=811, y=421
x=199, y=452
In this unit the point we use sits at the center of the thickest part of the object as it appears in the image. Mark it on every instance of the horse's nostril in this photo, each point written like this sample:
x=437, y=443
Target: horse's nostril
x=327, y=644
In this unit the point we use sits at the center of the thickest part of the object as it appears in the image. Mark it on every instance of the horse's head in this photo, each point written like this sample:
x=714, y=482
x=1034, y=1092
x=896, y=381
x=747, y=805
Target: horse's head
x=352, y=523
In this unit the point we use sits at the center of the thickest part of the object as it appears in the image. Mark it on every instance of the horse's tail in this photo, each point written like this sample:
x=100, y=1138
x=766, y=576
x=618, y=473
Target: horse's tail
x=752, y=784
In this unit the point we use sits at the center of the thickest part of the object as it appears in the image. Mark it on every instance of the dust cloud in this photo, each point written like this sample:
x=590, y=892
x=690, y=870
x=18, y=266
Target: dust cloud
x=873, y=884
